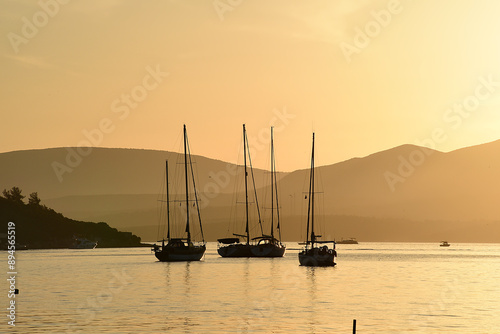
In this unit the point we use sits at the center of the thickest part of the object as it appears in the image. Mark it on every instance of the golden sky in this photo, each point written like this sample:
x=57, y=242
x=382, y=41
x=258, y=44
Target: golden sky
x=364, y=75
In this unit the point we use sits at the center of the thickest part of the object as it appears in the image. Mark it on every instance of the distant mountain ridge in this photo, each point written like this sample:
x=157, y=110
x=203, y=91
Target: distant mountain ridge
x=55, y=172
x=407, y=182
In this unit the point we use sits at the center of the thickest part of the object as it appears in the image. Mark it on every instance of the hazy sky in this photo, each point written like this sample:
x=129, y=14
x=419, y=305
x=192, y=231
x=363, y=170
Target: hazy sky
x=364, y=75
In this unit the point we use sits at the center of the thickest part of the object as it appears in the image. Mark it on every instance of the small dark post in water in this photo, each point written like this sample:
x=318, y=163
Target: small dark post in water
x=354, y=326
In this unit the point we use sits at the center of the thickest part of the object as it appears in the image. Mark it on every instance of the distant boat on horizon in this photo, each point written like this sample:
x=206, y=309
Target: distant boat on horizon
x=348, y=241
x=444, y=244
x=264, y=245
x=312, y=255
x=83, y=243
x=182, y=248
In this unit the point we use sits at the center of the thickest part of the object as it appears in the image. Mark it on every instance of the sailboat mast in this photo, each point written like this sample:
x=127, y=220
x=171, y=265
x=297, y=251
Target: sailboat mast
x=168, y=202
x=247, y=230
x=272, y=184
x=196, y=195
x=277, y=203
x=187, y=185
x=313, y=236
x=311, y=191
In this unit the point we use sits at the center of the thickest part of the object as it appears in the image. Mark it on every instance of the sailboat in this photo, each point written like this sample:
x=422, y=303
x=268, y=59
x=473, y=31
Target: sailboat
x=313, y=255
x=263, y=245
x=348, y=241
x=182, y=248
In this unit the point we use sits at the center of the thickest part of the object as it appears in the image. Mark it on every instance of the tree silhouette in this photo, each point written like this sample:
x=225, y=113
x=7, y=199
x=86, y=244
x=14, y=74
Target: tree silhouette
x=14, y=195
x=34, y=199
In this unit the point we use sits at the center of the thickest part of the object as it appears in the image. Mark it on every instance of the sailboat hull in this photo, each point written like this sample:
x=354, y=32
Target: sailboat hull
x=235, y=250
x=174, y=254
x=317, y=257
x=268, y=250
x=244, y=250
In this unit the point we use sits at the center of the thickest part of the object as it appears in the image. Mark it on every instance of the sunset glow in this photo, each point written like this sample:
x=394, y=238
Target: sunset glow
x=64, y=66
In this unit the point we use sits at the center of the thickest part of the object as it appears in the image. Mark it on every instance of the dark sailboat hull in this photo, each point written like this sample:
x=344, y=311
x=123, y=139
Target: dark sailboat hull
x=268, y=250
x=317, y=257
x=244, y=250
x=235, y=250
x=175, y=254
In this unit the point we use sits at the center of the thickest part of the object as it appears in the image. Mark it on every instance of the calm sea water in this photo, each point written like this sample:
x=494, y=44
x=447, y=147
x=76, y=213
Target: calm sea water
x=386, y=287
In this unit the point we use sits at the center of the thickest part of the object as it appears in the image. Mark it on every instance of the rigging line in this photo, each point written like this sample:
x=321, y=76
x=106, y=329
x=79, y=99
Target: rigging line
x=196, y=195
x=247, y=230
x=168, y=199
x=272, y=184
x=313, y=171
x=309, y=196
x=278, y=226
x=233, y=212
x=254, y=188
x=177, y=144
x=275, y=190
x=313, y=235
x=187, y=185
x=320, y=208
x=176, y=186
x=161, y=227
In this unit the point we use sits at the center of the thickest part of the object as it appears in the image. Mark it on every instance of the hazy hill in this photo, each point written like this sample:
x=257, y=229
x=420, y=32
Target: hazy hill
x=362, y=186
x=459, y=185
x=105, y=171
x=435, y=193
